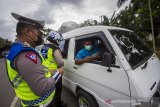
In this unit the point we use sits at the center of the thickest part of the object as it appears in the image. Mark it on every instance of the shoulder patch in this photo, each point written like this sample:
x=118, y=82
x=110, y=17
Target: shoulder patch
x=32, y=56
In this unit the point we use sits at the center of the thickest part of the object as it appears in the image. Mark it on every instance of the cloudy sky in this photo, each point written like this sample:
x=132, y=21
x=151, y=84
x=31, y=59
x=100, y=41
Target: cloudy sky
x=54, y=12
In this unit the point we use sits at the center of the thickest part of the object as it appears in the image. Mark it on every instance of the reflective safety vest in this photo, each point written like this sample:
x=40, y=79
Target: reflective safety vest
x=47, y=53
x=22, y=90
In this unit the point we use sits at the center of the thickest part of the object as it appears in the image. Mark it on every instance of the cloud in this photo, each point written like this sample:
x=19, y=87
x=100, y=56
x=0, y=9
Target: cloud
x=43, y=13
x=7, y=22
x=70, y=2
x=47, y=10
x=7, y=30
x=54, y=12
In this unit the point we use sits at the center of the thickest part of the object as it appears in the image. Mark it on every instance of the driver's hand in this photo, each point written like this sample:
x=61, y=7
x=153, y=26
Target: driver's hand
x=89, y=58
x=97, y=56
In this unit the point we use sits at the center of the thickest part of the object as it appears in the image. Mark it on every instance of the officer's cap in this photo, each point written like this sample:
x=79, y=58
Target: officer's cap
x=32, y=22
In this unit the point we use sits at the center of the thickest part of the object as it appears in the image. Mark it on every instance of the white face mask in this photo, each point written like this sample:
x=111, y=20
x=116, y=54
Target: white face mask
x=88, y=47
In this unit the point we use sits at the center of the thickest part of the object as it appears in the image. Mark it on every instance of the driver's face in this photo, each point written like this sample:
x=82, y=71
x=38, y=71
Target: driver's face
x=87, y=43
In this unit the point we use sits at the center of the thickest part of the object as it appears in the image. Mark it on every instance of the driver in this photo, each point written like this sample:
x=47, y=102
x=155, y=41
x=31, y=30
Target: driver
x=88, y=53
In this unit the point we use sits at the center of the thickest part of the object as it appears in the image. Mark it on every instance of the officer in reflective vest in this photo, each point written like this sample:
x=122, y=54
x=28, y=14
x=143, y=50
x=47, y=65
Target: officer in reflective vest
x=53, y=58
x=33, y=85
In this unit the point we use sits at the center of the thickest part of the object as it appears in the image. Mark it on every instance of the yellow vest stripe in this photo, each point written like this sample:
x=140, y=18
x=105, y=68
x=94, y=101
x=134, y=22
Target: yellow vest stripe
x=15, y=79
x=18, y=82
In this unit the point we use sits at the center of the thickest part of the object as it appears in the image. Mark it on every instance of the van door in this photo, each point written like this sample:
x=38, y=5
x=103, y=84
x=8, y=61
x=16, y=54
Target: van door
x=68, y=58
x=107, y=84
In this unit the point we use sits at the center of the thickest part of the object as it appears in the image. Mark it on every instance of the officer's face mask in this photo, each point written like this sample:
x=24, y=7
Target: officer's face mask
x=39, y=35
x=88, y=47
x=39, y=40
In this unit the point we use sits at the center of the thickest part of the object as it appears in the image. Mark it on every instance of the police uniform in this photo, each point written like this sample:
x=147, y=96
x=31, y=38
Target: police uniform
x=33, y=85
x=51, y=54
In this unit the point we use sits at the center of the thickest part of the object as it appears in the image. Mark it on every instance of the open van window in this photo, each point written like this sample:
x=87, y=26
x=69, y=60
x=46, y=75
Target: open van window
x=97, y=43
x=134, y=48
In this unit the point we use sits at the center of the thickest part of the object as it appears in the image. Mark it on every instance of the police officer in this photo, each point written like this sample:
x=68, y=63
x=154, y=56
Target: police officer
x=53, y=58
x=33, y=85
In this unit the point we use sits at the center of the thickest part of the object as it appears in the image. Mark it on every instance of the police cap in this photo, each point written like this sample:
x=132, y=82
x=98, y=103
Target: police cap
x=32, y=22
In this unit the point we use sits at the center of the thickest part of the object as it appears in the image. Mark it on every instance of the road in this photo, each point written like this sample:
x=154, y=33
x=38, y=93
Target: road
x=6, y=91
x=7, y=94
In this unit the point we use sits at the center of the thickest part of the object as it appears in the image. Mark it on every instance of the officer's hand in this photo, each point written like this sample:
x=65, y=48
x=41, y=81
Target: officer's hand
x=60, y=70
x=52, y=71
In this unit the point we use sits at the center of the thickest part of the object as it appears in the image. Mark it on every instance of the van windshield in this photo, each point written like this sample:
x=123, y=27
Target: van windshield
x=133, y=47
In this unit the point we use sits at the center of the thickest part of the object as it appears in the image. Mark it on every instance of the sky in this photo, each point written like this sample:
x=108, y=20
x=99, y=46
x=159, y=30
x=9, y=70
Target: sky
x=53, y=12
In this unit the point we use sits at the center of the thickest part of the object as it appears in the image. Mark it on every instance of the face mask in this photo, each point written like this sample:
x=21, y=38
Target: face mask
x=39, y=41
x=88, y=47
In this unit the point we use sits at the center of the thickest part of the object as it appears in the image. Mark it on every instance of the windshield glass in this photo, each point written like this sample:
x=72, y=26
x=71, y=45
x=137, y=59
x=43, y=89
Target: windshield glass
x=134, y=48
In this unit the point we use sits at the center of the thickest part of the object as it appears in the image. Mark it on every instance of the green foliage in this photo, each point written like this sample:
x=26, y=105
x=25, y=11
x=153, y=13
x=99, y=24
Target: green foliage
x=88, y=22
x=137, y=18
x=120, y=2
x=105, y=20
x=4, y=42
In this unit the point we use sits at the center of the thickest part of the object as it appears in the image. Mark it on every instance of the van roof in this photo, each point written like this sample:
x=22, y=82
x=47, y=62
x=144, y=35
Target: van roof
x=88, y=29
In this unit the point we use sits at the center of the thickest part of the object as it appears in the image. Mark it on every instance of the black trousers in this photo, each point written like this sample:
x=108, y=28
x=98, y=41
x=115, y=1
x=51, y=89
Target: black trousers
x=56, y=102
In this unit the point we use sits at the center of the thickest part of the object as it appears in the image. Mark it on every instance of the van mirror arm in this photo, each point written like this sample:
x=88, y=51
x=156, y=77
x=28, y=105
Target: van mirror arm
x=112, y=65
x=109, y=69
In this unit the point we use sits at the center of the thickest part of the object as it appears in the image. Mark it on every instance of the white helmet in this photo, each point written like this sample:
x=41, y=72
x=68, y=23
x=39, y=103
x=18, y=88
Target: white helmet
x=55, y=37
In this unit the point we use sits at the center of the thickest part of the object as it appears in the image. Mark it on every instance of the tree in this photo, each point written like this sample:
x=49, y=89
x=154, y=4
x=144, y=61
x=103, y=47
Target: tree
x=105, y=20
x=143, y=17
x=139, y=18
x=88, y=22
x=4, y=42
x=120, y=2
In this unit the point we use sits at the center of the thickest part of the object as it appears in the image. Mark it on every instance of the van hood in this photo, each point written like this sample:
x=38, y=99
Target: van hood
x=144, y=80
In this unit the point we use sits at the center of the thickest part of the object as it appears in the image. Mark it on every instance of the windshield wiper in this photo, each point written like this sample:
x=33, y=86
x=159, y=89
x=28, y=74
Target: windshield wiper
x=145, y=65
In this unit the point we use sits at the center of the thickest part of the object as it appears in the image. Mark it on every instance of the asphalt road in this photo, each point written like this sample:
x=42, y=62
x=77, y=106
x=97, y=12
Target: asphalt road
x=6, y=91
x=7, y=94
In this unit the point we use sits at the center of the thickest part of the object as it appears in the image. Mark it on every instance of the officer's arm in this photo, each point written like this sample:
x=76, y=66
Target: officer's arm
x=58, y=58
x=32, y=72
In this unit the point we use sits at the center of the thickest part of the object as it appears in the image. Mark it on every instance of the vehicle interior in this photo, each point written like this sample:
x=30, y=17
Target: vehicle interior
x=97, y=42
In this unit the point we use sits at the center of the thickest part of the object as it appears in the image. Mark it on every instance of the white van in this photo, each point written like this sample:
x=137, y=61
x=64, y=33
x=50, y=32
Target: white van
x=127, y=75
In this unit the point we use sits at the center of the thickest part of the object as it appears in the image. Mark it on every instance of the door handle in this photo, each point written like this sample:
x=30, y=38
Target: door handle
x=74, y=67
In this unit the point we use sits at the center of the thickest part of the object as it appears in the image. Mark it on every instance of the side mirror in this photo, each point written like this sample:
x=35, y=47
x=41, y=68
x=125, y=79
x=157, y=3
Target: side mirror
x=106, y=59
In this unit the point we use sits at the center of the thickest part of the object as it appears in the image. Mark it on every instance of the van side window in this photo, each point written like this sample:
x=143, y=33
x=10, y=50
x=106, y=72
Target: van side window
x=98, y=48
x=64, y=48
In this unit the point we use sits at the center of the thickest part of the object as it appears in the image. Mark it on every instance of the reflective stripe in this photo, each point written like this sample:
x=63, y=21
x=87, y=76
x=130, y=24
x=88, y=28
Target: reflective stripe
x=56, y=76
x=15, y=79
x=39, y=100
x=18, y=82
x=45, y=69
x=46, y=104
x=52, y=62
